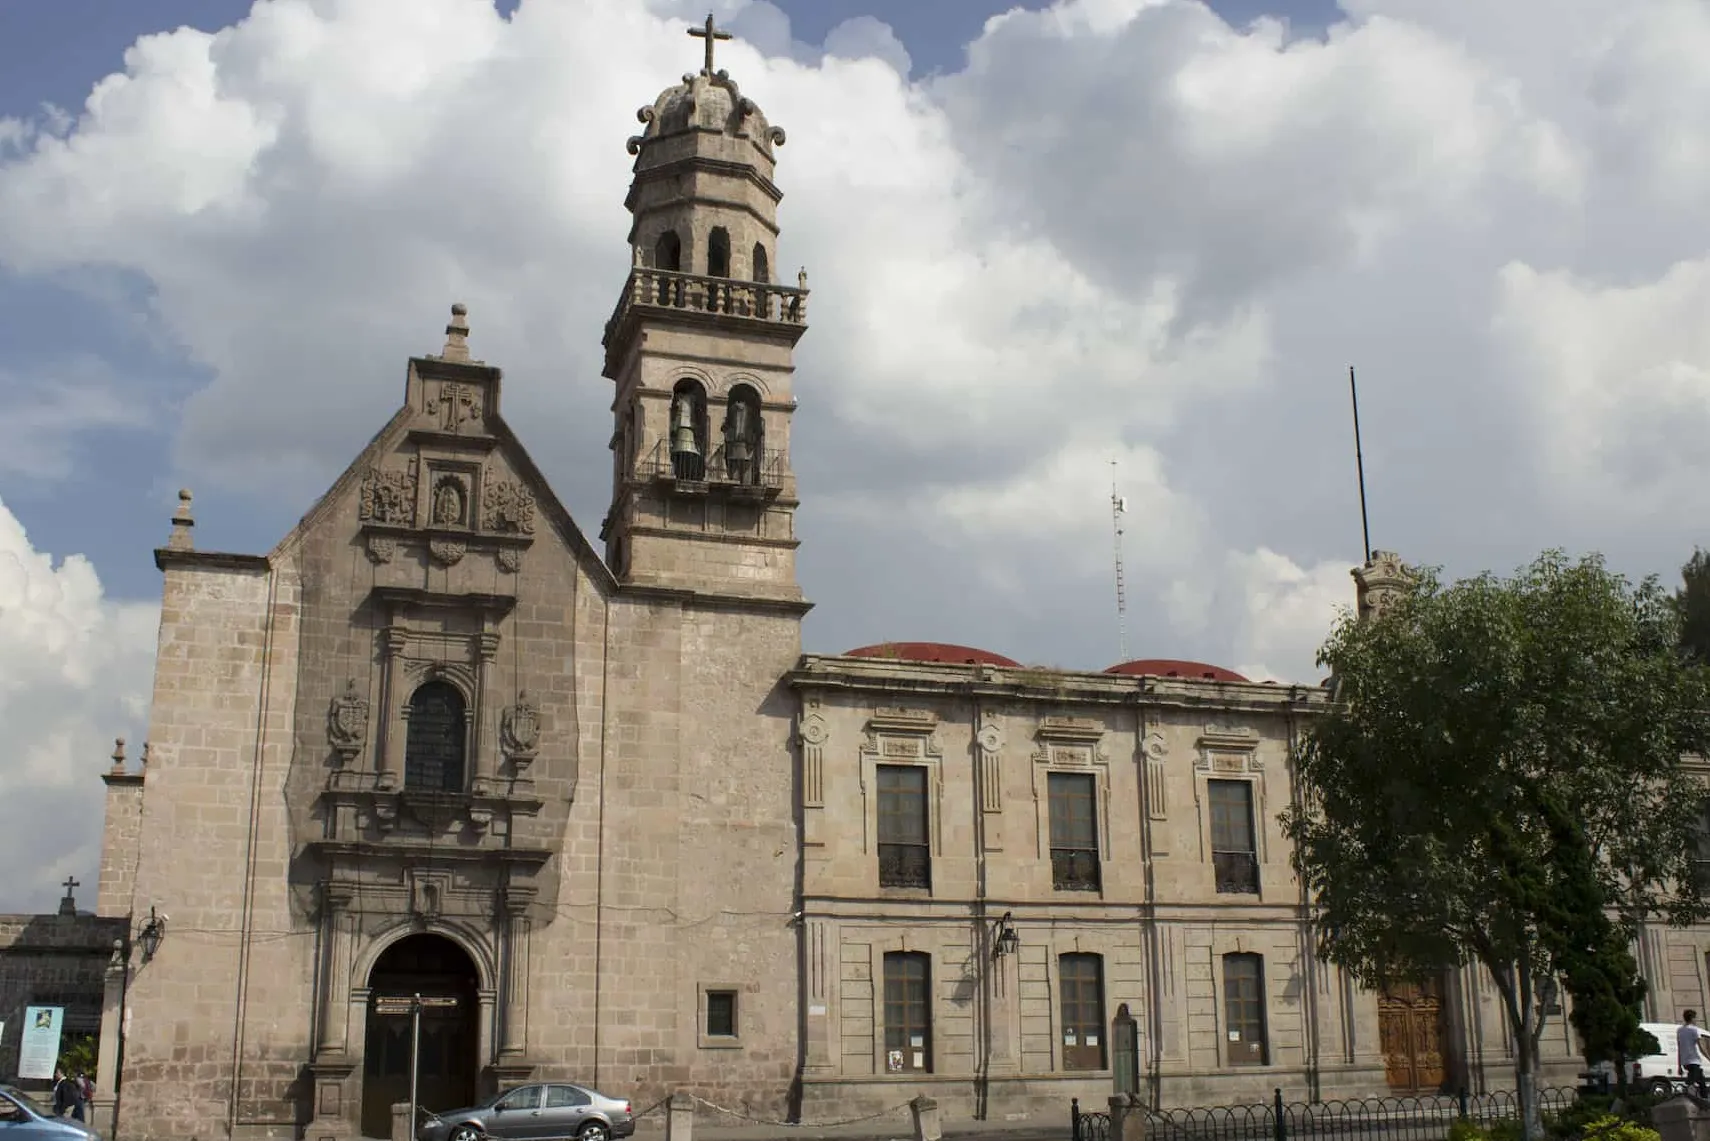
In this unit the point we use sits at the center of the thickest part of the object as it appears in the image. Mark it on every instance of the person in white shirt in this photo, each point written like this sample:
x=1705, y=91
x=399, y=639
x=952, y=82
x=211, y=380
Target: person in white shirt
x=1688, y=1039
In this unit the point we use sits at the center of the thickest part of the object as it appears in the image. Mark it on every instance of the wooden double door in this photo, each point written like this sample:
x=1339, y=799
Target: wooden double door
x=1413, y=1029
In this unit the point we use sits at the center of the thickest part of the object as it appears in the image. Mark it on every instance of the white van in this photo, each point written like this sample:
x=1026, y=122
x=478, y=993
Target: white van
x=1659, y=1073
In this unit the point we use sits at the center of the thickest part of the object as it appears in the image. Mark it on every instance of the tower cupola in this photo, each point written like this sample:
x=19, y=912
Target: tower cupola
x=699, y=348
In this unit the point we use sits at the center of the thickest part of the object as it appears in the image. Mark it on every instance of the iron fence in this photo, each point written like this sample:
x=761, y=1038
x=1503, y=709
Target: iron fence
x=1423, y=1118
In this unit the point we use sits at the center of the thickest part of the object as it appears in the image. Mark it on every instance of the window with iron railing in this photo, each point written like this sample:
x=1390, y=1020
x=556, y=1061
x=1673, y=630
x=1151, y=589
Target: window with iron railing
x=905, y=857
x=1234, y=853
x=1074, y=831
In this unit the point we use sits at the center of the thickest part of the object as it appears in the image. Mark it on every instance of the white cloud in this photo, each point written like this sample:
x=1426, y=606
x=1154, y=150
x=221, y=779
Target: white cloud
x=75, y=672
x=1125, y=229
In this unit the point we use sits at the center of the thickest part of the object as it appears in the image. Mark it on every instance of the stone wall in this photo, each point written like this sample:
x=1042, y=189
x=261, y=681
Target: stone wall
x=52, y=960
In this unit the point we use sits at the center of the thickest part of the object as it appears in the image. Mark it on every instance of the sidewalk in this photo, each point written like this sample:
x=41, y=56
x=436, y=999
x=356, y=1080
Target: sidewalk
x=898, y=1126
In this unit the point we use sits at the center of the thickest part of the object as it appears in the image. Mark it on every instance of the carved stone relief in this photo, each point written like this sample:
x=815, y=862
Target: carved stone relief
x=389, y=496
x=347, y=723
x=381, y=549
x=457, y=405
x=450, y=504
x=510, y=560
x=519, y=731
x=814, y=734
x=1157, y=782
x=990, y=741
x=447, y=552
x=509, y=507
x=1228, y=749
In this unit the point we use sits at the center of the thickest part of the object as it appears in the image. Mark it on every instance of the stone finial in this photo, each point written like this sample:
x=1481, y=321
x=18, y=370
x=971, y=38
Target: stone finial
x=119, y=755
x=181, y=539
x=1379, y=581
x=801, y=278
x=457, y=335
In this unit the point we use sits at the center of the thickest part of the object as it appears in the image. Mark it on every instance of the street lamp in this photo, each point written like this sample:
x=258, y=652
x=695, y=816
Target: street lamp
x=1007, y=940
x=149, y=937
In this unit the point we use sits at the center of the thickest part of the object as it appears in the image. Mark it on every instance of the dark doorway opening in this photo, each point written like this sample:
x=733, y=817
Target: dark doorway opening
x=433, y=967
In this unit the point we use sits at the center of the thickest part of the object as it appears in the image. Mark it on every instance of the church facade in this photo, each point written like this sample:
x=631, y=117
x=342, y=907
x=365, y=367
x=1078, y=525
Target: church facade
x=598, y=807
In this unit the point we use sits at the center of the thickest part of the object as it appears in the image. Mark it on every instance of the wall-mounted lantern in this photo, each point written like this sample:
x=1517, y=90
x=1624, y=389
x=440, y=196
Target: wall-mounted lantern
x=1007, y=941
x=149, y=937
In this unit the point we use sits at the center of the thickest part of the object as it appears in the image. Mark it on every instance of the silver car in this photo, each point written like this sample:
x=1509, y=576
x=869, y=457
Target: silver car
x=554, y=1111
x=22, y=1118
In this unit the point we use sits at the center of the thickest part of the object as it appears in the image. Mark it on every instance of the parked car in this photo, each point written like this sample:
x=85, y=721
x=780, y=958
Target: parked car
x=555, y=1111
x=22, y=1118
x=1657, y=1073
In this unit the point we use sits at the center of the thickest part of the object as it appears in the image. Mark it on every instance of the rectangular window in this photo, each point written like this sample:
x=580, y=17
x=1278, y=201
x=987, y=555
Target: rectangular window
x=904, y=858
x=1074, y=832
x=1081, y=978
x=908, y=1012
x=721, y=1014
x=1234, y=855
x=1244, y=1009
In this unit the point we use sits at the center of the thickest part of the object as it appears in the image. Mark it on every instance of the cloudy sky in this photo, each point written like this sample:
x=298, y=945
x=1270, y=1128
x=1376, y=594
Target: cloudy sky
x=1039, y=239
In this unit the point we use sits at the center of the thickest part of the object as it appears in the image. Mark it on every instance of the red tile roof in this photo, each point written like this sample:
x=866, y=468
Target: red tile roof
x=1172, y=667
x=933, y=652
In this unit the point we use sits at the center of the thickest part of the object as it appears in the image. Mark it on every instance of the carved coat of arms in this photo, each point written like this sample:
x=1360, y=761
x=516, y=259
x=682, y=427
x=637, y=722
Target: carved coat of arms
x=519, y=730
x=510, y=507
x=347, y=722
x=388, y=496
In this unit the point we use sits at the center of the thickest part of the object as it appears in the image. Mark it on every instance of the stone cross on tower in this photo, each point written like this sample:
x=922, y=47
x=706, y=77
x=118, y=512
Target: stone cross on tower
x=68, y=905
x=711, y=35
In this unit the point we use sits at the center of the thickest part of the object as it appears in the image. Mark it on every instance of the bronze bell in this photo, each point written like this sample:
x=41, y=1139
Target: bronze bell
x=686, y=461
x=738, y=442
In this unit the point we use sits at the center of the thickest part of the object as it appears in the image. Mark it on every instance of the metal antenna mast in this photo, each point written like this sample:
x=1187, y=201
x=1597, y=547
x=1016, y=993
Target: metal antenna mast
x=1118, y=506
x=1360, y=468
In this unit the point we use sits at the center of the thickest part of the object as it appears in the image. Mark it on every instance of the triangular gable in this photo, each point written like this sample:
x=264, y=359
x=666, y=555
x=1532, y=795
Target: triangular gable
x=452, y=406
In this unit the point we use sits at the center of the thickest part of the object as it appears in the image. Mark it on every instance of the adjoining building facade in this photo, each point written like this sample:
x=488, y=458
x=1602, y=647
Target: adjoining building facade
x=601, y=808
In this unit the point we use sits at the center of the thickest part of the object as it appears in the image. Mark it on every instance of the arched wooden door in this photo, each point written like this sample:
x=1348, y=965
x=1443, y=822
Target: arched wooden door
x=435, y=968
x=1411, y=1029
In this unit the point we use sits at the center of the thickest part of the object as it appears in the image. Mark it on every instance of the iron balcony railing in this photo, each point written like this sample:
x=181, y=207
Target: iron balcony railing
x=1074, y=869
x=905, y=865
x=670, y=289
x=764, y=470
x=1237, y=873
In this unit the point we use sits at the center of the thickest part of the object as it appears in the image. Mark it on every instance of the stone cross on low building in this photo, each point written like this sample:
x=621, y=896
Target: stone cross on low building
x=68, y=905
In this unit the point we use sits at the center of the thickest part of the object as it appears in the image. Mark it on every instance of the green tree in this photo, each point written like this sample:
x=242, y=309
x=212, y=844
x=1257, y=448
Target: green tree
x=1501, y=779
x=1693, y=601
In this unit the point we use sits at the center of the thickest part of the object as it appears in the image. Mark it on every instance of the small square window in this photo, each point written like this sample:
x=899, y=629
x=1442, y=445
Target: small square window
x=720, y=1025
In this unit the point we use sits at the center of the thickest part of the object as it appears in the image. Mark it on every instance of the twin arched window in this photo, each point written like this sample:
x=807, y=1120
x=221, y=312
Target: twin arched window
x=437, y=744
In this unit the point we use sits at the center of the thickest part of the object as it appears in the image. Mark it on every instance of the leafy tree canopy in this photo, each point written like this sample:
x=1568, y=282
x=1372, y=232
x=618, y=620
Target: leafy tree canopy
x=1502, y=771
x=1693, y=602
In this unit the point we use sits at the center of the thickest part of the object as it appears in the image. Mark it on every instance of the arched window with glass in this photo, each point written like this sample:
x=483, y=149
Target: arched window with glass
x=436, y=746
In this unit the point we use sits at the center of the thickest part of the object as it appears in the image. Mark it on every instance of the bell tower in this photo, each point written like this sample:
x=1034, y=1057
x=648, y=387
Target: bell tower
x=700, y=348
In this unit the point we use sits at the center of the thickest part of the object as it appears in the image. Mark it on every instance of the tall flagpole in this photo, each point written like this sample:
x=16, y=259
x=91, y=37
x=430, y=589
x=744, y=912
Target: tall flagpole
x=1360, y=466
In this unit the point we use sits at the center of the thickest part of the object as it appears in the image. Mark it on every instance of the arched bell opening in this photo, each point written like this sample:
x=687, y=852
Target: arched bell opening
x=689, y=430
x=449, y=1056
x=668, y=255
x=744, y=436
x=718, y=252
